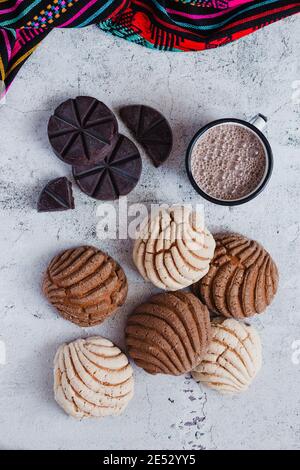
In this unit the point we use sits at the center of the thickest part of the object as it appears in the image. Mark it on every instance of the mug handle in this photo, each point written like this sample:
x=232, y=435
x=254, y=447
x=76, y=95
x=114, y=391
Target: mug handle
x=259, y=121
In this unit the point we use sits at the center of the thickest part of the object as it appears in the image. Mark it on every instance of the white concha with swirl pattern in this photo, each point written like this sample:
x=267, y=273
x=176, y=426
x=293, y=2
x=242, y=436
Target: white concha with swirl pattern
x=233, y=359
x=92, y=378
x=174, y=249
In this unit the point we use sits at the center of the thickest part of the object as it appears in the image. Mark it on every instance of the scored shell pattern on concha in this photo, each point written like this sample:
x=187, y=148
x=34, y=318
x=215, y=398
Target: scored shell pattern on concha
x=174, y=249
x=92, y=378
x=233, y=359
x=169, y=334
x=85, y=285
x=242, y=280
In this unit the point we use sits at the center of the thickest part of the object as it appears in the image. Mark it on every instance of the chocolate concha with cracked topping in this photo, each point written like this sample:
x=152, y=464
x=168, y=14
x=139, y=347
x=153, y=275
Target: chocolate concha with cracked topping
x=174, y=249
x=169, y=334
x=233, y=359
x=92, y=378
x=242, y=280
x=85, y=285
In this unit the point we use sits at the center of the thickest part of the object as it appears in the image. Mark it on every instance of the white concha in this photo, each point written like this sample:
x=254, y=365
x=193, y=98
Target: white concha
x=174, y=249
x=92, y=378
x=233, y=359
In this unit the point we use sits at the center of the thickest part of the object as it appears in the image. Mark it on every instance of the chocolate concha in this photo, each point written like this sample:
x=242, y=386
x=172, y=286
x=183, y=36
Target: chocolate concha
x=85, y=285
x=174, y=249
x=242, y=280
x=92, y=378
x=233, y=359
x=169, y=334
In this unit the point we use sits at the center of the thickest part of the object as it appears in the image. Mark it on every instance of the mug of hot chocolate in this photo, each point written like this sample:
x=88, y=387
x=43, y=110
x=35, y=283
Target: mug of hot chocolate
x=230, y=161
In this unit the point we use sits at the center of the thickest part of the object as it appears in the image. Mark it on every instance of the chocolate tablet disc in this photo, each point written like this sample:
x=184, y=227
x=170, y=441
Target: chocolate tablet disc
x=56, y=196
x=81, y=130
x=117, y=175
x=151, y=130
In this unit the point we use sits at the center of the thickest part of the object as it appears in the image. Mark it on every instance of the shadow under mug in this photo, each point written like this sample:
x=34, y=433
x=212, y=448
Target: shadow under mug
x=257, y=125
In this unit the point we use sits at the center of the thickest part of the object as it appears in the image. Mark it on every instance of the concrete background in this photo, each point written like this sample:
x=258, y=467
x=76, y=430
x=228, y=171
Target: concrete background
x=253, y=75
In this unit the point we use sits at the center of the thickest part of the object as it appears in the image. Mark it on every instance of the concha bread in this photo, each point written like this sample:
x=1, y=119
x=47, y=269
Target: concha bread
x=174, y=248
x=169, y=334
x=242, y=280
x=233, y=359
x=85, y=285
x=92, y=378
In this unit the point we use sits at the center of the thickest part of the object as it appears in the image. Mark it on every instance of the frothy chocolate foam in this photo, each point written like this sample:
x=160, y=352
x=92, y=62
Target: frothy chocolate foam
x=228, y=162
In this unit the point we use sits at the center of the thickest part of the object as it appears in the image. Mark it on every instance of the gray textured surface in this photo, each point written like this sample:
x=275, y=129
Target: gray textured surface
x=252, y=75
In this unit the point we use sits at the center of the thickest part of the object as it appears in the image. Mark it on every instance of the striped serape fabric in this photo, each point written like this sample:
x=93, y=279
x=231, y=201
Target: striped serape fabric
x=167, y=25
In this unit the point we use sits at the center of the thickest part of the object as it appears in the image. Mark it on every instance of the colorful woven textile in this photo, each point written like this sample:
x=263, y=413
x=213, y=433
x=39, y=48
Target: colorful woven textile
x=169, y=25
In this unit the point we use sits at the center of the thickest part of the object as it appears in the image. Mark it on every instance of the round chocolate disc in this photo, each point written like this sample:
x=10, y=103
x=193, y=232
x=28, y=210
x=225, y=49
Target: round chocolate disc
x=81, y=130
x=116, y=176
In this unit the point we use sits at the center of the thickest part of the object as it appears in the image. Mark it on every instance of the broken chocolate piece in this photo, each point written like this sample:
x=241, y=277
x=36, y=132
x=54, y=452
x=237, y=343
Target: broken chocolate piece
x=116, y=176
x=82, y=130
x=151, y=130
x=56, y=196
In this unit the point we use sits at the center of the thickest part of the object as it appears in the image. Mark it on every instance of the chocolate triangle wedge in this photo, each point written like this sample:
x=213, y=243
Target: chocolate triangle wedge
x=56, y=196
x=151, y=130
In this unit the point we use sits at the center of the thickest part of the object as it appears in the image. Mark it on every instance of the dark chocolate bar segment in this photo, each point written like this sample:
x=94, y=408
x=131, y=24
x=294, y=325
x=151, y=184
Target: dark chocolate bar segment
x=56, y=196
x=151, y=130
x=82, y=130
x=116, y=176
